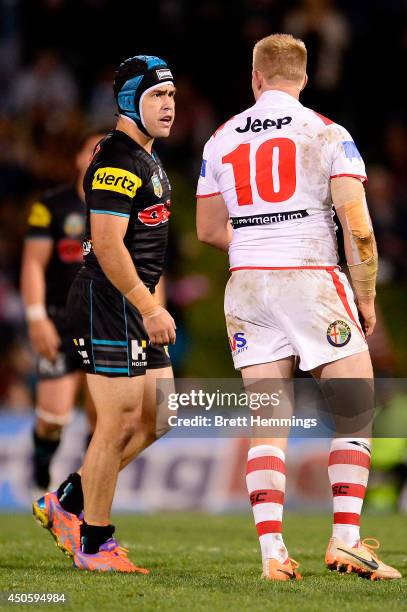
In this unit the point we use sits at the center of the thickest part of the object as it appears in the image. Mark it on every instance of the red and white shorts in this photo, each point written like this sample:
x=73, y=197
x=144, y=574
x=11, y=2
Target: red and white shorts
x=272, y=314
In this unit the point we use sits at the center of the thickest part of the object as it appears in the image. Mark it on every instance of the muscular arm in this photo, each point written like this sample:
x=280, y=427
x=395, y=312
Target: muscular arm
x=108, y=232
x=212, y=222
x=43, y=335
x=349, y=199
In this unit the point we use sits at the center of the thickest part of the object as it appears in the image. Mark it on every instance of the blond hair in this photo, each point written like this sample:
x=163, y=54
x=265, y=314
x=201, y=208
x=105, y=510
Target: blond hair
x=280, y=56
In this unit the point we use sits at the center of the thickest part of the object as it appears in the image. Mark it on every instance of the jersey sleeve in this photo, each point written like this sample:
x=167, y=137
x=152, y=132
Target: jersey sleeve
x=345, y=157
x=39, y=221
x=207, y=184
x=113, y=186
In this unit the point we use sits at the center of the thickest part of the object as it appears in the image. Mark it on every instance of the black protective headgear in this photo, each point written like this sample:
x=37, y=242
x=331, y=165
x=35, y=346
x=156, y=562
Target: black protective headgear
x=133, y=78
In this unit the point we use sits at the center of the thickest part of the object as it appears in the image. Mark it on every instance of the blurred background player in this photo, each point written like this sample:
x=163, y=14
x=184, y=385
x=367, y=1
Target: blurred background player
x=52, y=256
x=268, y=179
x=119, y=326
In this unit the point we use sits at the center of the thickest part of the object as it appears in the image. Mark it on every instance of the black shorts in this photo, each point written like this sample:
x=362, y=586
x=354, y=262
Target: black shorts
x=68, y=360
x=109, y=333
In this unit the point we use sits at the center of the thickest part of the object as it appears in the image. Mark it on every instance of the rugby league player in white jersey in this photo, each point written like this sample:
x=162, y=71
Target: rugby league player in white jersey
x=269, y=178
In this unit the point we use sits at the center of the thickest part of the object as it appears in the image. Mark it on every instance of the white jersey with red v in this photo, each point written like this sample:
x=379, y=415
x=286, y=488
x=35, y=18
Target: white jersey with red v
x=273, y=164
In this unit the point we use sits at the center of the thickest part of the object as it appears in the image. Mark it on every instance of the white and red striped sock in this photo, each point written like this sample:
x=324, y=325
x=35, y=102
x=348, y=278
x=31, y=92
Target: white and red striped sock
x=265, y=478
x=349, y=465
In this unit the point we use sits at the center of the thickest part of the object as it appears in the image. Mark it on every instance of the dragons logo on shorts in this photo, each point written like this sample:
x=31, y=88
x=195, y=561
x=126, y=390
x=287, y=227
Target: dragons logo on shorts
x=338, y=333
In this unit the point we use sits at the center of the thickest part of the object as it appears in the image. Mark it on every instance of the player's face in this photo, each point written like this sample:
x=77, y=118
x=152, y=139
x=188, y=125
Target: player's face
x=85, y=154
x=158, y=108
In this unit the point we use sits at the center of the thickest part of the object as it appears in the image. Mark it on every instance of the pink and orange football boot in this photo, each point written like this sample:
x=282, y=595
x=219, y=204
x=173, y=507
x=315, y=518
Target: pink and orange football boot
x=110, y=558
x=62, y=525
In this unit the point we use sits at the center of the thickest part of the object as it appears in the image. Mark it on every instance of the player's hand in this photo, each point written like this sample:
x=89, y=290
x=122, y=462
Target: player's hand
x=160, y=327
x=44, y=338
x=368, y=315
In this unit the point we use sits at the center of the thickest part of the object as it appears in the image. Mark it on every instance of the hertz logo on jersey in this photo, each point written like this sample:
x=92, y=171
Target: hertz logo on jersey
x=116, y=179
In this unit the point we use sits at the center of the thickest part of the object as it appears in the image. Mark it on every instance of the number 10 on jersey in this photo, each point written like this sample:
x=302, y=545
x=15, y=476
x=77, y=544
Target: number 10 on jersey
x=275, y=171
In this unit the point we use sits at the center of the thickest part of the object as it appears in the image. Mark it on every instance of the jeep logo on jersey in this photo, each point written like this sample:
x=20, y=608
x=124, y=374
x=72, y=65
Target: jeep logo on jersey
x=158, y=188
x=116, y=179
x=257, y=125
x=154, y=215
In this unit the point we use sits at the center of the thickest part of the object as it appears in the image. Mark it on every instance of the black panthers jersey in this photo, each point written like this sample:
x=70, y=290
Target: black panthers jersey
x=59, y=216
x=125, y=180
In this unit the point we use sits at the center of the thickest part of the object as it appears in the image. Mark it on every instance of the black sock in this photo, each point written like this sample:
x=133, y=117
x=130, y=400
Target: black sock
x=92, y=537
x=70, y=494
x=44, y=450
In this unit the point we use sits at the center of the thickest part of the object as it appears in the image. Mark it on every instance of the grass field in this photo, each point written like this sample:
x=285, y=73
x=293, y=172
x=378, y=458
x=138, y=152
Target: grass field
x=201, y=562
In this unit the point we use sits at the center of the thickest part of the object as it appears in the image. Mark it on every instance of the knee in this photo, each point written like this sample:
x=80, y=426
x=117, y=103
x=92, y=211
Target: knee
x=155, y=427
x=113, y=437
x=128, y=430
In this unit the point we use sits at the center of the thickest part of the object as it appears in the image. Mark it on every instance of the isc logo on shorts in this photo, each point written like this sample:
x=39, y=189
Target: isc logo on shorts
x=238, y=343
x=116, y=179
